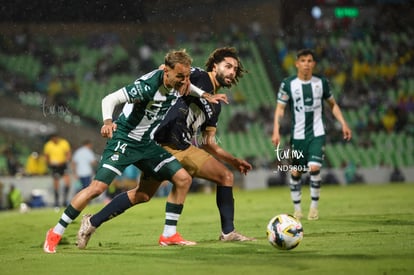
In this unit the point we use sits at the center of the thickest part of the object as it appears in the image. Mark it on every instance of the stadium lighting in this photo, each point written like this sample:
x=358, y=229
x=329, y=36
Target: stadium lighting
x=316, y=12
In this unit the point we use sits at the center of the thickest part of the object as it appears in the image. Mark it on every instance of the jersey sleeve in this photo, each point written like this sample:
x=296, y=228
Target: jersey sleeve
x=326, y=86
x=283, y=94
x=144, y=87
x=138, y=91
x=212, y=120
x=201, y=79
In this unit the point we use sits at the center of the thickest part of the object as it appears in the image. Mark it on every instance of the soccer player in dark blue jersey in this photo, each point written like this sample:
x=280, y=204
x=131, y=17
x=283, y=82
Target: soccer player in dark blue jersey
x=176, y=134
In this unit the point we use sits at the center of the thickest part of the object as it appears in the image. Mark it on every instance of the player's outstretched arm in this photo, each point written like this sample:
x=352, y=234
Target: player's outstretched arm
x=215, y=98
x=211, y=146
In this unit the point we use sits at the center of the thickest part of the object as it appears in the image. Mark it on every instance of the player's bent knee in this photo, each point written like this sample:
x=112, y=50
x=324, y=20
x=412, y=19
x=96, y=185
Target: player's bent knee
x=182, y=179
x=96, y=188
x=140, y=197
x=226, y=178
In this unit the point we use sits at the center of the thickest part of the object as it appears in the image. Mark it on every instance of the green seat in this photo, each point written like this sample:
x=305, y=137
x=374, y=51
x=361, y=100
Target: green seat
x=333, y=157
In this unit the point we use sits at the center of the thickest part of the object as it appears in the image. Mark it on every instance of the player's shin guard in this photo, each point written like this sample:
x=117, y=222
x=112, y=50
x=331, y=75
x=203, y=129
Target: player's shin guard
x=225, y=204
x=117, y=206
x=315, y=187
x=296, y=191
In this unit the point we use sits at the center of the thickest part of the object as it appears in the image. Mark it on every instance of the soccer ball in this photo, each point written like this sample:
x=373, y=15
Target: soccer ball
x=284, y=232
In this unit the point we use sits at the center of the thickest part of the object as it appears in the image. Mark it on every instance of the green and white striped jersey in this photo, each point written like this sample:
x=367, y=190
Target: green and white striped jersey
x=305, y=99
x=149, y=102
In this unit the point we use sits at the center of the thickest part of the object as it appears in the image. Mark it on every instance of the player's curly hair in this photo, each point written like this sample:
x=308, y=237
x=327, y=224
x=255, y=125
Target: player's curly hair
x=219, y=54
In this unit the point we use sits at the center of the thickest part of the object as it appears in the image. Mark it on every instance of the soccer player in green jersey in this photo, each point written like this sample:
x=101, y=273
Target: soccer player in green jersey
x=175, y=134
x=130, y=141
x=305, y=93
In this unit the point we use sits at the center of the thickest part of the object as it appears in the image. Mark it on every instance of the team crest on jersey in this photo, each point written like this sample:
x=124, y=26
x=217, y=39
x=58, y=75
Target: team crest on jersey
x=115, y=157
x=318, y=90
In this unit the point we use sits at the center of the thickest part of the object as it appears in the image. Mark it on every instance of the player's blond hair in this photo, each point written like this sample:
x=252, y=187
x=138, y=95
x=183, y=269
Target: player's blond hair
x=174, y=57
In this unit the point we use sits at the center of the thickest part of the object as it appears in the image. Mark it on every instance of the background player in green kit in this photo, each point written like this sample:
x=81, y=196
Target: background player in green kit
x=131, y=142
x=305, y=94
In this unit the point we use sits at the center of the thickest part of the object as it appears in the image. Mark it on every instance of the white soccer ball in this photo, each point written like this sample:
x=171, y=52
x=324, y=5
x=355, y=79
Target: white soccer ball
x=284, y=232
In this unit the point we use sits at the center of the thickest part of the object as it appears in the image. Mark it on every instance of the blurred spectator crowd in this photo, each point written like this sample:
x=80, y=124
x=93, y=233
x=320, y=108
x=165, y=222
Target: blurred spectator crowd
x=371, y=69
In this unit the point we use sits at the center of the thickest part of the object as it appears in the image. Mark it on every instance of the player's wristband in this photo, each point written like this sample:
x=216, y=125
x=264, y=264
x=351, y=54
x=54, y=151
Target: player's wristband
x=195, y=91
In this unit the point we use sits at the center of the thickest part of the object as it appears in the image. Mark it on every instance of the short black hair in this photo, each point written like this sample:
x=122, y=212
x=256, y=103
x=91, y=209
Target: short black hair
x=304, y=52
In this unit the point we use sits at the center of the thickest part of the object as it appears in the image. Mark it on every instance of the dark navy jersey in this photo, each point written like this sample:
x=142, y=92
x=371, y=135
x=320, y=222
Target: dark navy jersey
x=188, y=115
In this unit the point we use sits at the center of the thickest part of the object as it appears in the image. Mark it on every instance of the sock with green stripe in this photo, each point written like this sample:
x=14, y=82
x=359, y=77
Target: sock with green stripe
x=172, y=214
x=67, y=218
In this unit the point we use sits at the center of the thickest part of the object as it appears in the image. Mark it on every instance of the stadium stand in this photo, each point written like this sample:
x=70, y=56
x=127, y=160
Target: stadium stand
x=367, y=78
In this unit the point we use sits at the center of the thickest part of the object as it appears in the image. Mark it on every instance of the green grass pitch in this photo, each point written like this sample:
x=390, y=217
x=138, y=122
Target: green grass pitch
x=363, y=229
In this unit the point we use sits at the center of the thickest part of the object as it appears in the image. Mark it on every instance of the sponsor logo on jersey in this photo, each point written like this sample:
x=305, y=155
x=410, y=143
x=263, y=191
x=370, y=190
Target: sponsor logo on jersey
x=115, y=157
x=283, y=95
x=207, y=107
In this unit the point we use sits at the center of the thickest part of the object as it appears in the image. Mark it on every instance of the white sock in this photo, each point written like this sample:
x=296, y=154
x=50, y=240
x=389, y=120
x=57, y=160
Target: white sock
x=169, y=230
x=172, y=215
x=59, y=229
